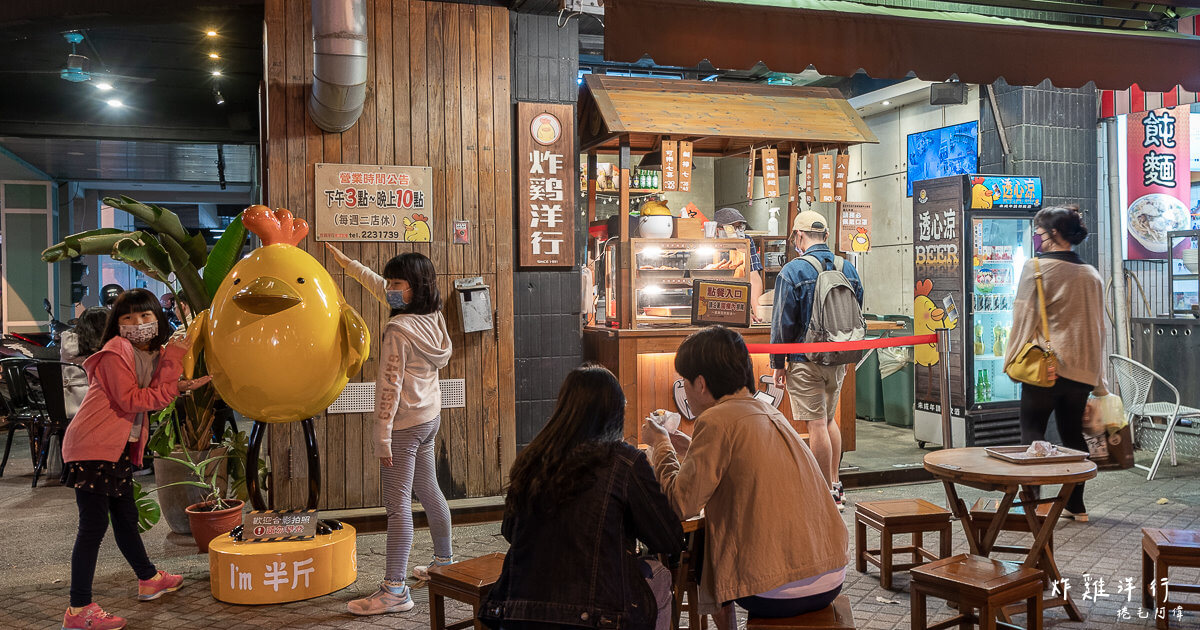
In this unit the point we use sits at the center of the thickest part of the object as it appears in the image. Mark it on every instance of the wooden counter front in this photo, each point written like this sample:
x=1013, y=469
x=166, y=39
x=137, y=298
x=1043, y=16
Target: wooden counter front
x=643, y=361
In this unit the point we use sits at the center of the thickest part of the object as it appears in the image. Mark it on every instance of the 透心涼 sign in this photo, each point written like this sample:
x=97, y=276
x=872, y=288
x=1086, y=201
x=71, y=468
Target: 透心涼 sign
x=1004, y=193
x=360, y=202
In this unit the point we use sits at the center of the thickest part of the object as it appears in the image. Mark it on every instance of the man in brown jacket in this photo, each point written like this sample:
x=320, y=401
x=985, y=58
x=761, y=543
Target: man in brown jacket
x=774, y=541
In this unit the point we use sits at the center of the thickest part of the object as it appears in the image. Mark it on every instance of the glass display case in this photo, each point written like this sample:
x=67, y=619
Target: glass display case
x=663, y=271
x=1001, y=247
x=1184, y=273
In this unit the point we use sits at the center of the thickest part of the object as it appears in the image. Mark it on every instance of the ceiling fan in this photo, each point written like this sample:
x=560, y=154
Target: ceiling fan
x=78, y=70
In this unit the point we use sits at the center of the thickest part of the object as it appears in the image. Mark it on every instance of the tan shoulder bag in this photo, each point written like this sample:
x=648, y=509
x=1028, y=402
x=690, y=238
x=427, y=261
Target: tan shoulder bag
x=1034, y=364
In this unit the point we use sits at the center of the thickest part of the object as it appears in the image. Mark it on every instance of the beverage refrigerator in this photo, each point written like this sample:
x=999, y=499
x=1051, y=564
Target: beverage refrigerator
x=972, y=237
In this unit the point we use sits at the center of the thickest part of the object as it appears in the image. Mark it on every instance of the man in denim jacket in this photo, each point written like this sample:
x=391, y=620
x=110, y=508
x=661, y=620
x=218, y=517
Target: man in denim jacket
x=812, y=389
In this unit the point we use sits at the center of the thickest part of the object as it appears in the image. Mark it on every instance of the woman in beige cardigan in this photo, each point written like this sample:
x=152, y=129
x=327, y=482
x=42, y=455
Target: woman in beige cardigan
x=774, y=541
x=1075, y=311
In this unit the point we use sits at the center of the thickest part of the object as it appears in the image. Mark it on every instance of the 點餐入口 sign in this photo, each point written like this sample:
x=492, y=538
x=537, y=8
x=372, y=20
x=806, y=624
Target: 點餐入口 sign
x=720, y=303
x=545, y=191
x=366, y=202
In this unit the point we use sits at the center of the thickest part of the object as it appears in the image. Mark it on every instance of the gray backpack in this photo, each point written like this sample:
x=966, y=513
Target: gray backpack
x=836, y=314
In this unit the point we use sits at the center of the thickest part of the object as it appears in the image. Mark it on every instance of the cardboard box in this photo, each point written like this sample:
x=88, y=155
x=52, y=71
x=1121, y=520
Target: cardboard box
x=689, y=228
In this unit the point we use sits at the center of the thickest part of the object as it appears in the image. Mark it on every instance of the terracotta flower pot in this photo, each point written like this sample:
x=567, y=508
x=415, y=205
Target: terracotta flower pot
x=207, y=524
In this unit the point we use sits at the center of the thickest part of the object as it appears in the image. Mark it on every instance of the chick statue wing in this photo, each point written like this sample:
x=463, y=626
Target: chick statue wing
x=358, y=340
x=195, y=339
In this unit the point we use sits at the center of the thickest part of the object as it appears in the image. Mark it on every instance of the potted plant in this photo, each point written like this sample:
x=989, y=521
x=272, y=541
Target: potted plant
x=180, y=259
x=215, y=514
x=173, y=440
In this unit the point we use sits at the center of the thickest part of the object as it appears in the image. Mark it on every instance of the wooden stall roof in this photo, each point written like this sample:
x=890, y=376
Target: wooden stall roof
x=719, y=118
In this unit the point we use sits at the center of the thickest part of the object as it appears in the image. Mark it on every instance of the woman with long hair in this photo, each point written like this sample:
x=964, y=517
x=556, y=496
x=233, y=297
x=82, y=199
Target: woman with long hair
x=1074, y=295
x=579, y=499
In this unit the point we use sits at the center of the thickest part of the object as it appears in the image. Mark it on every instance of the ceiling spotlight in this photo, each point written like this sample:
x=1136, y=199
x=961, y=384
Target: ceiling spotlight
x=211, y=33
x=886, y=103
x=213, y=55
x=217, y=97
x=113, y=102
x=104, y=86
x=216, y=73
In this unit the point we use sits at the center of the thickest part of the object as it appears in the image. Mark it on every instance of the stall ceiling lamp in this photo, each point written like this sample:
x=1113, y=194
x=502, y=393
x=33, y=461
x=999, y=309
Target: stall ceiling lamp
x=216, y=73
x=217, y=97
x=104, y=86
x=213, y=55
x=113, y=102
x=211, y=33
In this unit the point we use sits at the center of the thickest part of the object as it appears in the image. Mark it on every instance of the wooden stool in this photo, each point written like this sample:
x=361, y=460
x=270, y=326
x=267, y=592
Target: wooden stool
x=983, y=511
x=468, y=581
x=836, y=616
x=1161, y=550
x=898, y=516
x=976, y=583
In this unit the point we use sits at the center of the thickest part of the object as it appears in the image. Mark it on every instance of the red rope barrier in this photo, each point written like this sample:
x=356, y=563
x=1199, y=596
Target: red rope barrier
x=865, y=344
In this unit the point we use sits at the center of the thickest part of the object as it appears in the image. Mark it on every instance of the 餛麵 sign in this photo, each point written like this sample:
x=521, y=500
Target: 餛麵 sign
x=274, y=525
x=362, y=202
x=721, y=303
x=545, y=190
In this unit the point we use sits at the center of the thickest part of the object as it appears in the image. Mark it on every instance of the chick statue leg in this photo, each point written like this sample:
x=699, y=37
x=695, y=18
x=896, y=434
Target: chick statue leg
x=252, y=488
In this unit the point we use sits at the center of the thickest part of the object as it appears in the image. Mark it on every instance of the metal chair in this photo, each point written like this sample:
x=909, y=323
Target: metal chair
x=1134, y=382
x=54, y=420
x=22, y=411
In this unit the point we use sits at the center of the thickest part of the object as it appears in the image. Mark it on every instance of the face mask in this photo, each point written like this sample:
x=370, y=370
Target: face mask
x=1037, y=242
x=741, y=232
x=139, y=333
x=395, y=299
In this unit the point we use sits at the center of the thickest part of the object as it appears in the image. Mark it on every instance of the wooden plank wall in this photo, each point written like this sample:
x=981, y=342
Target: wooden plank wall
x=437, y=95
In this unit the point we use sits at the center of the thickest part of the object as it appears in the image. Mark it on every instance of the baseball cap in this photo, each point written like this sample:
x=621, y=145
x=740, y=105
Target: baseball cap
x=810, y=221
x=729, y=216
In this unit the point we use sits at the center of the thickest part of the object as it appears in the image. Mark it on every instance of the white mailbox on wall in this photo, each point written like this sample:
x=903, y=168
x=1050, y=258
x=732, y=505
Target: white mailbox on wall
x=474, y=304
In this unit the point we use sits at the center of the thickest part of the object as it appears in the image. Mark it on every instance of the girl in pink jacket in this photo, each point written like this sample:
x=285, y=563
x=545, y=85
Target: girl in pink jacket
x=137, y=371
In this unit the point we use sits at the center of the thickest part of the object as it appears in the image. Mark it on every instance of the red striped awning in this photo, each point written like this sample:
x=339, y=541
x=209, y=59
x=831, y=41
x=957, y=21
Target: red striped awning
x=1134, y=100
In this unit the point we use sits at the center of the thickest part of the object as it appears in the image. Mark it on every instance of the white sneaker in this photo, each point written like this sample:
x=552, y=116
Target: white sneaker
x=421, y=572
x=837, y=500
x=388, y=599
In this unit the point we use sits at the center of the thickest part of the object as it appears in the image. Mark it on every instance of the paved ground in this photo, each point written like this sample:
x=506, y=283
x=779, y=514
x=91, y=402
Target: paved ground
x=38, y=525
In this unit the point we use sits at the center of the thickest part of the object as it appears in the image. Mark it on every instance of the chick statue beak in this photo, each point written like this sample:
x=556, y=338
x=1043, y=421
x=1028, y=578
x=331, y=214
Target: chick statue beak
x=266, y=296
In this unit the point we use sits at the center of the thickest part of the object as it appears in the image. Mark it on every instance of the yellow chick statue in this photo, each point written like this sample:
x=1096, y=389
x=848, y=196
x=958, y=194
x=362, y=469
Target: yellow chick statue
x=279, y=339
x=927, y=318
x=416, y=229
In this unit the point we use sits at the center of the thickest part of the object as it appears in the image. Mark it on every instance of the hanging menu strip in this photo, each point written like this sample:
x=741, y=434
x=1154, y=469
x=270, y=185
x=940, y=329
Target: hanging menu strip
x=770, y=160
x=792, y=183
x=808, y=179
x=825, y=178
x=670, y=165
x=685, y=167
x=841, y=175
x=750, y=175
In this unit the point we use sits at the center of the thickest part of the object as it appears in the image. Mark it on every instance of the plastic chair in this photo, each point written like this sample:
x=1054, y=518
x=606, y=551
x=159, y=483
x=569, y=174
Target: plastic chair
x=1134, y=382
x=22, y=411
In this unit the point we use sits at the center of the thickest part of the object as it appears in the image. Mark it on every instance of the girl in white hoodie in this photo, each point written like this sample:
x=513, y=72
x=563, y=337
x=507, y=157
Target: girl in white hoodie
x=408, y=401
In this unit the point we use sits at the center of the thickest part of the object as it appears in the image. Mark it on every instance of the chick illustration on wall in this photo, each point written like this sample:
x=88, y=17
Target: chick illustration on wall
x=279, y=339
x=861, y=241
x=928, y=318
x=416, y=229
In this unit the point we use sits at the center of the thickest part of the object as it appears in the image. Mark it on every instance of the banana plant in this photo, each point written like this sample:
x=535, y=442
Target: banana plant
x=180, y=259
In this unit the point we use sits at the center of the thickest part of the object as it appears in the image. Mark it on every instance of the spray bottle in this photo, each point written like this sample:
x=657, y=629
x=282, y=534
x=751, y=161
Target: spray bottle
x=773, y=222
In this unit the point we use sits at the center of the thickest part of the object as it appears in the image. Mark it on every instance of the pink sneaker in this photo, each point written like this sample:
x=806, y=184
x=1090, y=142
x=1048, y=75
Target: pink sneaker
x=92, y=618
x=158, y=586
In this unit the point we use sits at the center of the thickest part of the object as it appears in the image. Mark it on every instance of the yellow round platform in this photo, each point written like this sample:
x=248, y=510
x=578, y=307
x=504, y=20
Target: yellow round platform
x=279, y=572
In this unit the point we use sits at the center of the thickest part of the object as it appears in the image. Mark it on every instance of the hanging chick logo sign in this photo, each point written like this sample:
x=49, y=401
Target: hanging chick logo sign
x=279, y=339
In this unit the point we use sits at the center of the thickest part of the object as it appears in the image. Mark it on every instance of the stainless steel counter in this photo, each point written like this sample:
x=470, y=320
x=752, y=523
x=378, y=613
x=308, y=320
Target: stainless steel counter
x=1170, y=347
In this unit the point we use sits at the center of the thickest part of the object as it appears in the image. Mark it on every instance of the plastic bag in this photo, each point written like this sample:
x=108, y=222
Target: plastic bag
x=892, y=360
x=1112, y=413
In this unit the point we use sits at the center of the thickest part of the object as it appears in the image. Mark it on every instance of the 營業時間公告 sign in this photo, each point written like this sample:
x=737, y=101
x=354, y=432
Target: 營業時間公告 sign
x=720, y=303
x=545, y=192
x=363, y=202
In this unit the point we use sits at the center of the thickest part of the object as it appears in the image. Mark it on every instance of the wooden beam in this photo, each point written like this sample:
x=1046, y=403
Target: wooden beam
x=625, y=277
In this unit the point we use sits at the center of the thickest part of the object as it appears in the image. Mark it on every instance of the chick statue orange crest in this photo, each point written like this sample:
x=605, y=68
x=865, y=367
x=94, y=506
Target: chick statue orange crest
x=279, y=339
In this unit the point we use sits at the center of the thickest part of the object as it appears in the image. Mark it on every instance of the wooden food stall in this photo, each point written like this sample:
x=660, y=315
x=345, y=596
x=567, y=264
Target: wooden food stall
x=645, y=312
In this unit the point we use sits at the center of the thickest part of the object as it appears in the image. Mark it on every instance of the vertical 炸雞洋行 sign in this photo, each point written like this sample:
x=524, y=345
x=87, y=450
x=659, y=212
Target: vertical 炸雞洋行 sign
x=546, y=165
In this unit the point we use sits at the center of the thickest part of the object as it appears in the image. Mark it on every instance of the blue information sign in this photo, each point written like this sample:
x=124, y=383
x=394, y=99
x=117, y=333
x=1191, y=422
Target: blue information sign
x=1009, y=193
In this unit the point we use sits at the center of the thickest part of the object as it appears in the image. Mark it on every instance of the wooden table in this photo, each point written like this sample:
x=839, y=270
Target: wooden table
x=972, y=467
